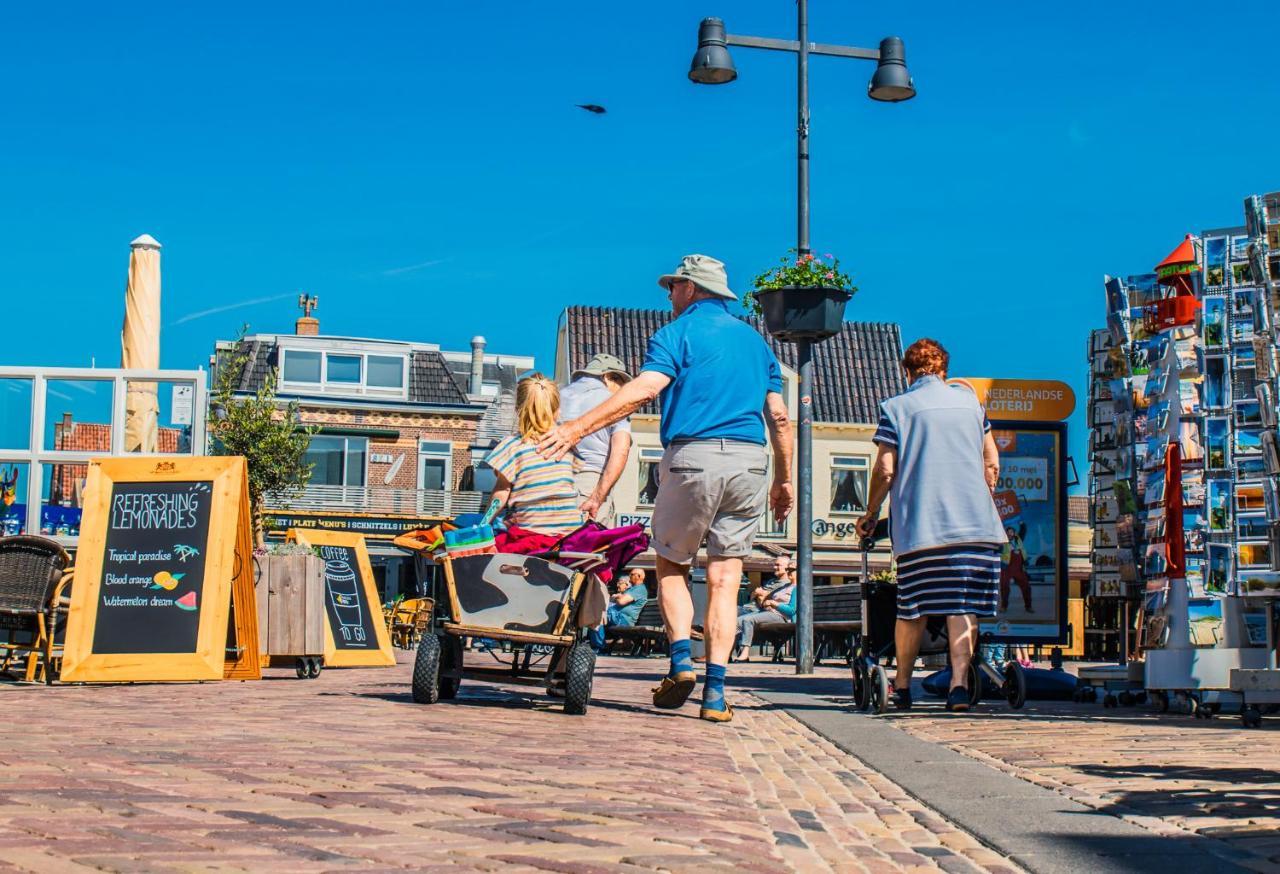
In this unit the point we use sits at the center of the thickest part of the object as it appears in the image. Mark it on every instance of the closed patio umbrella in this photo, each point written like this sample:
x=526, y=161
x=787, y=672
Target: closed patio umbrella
x=140, y=344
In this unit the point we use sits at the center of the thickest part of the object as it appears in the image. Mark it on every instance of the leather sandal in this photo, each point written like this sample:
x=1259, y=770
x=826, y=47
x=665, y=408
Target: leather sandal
x=672, y=692
x=717, y=715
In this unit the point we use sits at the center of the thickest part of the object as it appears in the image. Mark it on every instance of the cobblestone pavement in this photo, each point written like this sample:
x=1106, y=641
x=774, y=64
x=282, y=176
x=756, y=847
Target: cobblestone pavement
x=345, y=773
x=1169, y=773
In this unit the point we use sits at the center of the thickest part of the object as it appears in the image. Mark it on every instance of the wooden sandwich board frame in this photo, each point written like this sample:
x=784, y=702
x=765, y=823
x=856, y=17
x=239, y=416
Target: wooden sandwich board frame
x=334, y=657
x=227, y=593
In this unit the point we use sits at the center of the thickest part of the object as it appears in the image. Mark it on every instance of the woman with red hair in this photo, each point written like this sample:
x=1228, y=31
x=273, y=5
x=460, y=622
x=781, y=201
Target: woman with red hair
x=938, y=462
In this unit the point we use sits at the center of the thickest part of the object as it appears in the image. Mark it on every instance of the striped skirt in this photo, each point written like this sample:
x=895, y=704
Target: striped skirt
x=949, y=580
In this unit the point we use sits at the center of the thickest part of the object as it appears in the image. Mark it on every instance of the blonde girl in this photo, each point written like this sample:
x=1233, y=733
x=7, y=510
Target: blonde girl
x=539, y=494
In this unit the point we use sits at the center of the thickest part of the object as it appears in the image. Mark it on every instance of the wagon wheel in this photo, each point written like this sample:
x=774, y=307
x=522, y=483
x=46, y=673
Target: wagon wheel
x=315, y=667
x=580, y=668
x=450, y=666
x=1015, y=685
x=426, y=670
x=301, y=669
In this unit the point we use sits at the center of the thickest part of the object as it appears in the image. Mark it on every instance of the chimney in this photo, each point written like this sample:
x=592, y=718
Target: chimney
x=308, y=325
x=477, y=365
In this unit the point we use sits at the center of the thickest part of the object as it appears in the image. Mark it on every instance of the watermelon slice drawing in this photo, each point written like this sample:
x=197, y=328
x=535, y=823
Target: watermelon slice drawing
x=186, y=602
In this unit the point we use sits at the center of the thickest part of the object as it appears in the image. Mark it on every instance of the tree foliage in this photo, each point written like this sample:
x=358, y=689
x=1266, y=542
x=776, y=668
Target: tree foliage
x=262, y=430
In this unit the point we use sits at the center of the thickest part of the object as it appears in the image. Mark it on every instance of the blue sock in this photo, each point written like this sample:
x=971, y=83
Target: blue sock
x=713, y=688
x=681, y=657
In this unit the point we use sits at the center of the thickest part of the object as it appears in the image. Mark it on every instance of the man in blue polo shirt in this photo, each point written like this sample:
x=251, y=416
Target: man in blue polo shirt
x=721, y=387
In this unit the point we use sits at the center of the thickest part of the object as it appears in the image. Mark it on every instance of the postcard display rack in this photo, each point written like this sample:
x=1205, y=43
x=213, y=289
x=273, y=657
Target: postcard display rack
x=1185, y=462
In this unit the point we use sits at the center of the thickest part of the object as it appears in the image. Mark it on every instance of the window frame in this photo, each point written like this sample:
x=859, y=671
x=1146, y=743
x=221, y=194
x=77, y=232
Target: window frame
x=331, y=386
x=646, y=455
x=436, y=449
x=346, y=450
x=854, y=464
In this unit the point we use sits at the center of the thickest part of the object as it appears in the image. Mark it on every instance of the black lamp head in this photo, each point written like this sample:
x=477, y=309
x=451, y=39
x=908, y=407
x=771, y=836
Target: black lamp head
x=712, y=64
x=891, y=82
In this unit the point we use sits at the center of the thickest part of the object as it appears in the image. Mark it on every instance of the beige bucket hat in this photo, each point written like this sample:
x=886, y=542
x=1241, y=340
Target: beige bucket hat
x=703, y=271
x=605, y=363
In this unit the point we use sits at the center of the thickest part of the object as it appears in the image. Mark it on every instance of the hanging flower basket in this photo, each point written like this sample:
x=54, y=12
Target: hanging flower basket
x=804, y=299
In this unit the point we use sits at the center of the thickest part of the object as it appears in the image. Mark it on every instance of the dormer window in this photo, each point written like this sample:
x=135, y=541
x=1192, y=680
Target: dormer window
x=344, y=372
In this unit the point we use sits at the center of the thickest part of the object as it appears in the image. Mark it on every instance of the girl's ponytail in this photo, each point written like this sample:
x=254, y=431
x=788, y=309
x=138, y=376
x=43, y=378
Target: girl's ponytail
x=537, y=405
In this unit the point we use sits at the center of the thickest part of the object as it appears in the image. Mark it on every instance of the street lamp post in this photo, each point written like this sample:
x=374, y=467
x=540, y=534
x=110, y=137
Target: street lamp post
x=712, y=65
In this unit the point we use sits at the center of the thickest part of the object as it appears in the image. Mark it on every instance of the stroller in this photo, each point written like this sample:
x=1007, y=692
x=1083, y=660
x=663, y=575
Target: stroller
x=873, y=649
x=528, y=605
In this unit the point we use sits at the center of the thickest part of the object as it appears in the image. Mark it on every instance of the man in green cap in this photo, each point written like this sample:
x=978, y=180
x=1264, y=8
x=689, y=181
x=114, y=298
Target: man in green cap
x=599, y=458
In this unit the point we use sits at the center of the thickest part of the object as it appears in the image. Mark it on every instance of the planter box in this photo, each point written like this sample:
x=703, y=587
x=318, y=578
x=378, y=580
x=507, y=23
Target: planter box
x=291, y=608
x=803, y=313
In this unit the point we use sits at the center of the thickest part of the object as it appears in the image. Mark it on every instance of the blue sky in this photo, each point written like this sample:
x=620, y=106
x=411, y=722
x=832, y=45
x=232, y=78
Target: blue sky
x=422, y=167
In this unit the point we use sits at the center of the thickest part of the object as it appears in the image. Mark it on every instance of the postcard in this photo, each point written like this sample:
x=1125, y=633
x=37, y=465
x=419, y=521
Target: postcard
x=1255, y=627
x=1217, y=567
x=1248, y=440
x=1195, y=577
x=1214, y=320
x=1259, y=584
x=1204, y=616
x=1193, y=488
x=1218, y=498
x=1215, y=261
x=1253, y=555
x=1106, y=585
x=1123, y=500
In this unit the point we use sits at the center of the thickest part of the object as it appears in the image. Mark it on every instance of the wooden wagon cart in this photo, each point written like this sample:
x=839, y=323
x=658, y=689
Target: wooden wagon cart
x=527, y=604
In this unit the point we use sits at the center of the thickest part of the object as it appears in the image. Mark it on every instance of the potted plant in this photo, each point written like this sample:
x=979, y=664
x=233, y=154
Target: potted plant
x=803, y=298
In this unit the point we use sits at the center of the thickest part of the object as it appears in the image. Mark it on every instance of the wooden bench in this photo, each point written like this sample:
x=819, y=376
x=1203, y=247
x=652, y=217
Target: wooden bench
x=647, y=636
x=837, y=617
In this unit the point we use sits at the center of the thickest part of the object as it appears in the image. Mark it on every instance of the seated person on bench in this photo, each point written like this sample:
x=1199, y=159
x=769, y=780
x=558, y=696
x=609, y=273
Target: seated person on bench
x=778, y=607
x=624, y=606
x=539, y=495
x=760, y=594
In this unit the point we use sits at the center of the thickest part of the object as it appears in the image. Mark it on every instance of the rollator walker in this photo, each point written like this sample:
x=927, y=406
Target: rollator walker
x=873, y=649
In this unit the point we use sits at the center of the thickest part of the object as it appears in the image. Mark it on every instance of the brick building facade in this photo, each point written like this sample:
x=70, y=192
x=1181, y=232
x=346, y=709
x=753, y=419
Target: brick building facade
x=401, y=428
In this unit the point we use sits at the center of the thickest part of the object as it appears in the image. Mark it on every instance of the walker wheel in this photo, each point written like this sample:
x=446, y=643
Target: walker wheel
x=975, y=683
x=1015, y=685
x=1251, y=717
x=879, y=689
x=861, y=684
x=1126, y=699
x=1161, y=700
x=1110, y=701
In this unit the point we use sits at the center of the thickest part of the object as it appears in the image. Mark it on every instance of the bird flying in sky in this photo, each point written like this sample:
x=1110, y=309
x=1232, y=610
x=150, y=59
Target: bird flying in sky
x=592, y=107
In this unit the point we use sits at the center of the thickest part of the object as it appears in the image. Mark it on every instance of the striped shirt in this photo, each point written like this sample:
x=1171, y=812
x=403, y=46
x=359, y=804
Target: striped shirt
x=543, y=497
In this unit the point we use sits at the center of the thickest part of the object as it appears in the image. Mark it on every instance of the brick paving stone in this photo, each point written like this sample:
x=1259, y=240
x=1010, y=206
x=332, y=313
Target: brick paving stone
x=344, y=773
x=1168, y=773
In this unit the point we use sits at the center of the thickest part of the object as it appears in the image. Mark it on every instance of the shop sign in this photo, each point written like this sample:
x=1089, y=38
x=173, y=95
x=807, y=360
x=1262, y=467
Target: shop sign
x=625, y=519
x=373, y=527
x=1022, y=400
x=838, y=530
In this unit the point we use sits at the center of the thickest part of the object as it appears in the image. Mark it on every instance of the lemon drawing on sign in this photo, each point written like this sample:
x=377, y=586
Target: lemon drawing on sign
x=165, y=580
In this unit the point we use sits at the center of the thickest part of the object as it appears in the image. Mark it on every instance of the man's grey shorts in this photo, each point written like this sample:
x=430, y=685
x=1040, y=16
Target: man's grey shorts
x=715, y=489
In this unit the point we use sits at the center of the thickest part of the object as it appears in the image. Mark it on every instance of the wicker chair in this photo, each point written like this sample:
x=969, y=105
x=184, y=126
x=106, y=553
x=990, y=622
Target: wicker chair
x=34, y=573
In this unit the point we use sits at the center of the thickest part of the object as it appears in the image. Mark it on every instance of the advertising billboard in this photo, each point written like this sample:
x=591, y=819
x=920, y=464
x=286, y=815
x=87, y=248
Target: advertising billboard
x=1031, y=496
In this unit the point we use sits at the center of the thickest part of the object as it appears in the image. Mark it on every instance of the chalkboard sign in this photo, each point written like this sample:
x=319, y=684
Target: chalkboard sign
x=356, y=634
x=163, y=584
x=153, y=568
x=350, y=618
